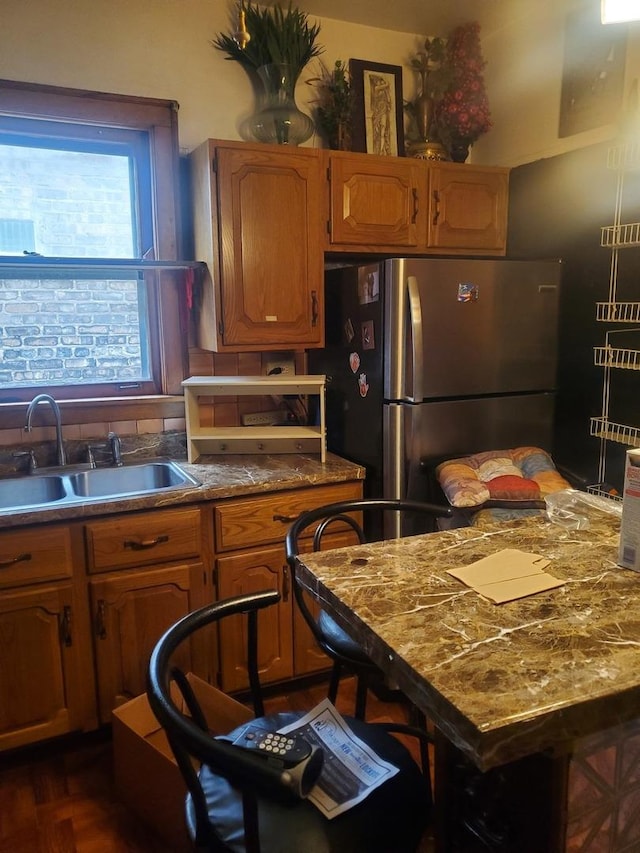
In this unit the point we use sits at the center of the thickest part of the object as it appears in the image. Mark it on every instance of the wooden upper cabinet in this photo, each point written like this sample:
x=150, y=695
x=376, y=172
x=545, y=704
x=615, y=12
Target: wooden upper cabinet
x=258, y=225
x=468, y=208
x=375, y=202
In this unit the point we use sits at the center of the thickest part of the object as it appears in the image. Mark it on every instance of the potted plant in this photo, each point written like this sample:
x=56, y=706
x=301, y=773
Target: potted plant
x=334, y=106
x=463, y=113
x=274, y=45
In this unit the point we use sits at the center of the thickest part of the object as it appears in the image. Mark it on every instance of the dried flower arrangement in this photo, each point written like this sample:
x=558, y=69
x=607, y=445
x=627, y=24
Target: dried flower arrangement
x=463, y=113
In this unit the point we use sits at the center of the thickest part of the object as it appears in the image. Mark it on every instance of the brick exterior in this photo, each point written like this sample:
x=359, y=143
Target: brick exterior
x=59, y=331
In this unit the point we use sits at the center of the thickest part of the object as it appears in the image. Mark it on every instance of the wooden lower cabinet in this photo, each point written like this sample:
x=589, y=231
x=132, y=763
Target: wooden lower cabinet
x=253, y=572
x=46, y=676
x=254, y=529
x=83, y=604
x=130, y=612
x=47, y=684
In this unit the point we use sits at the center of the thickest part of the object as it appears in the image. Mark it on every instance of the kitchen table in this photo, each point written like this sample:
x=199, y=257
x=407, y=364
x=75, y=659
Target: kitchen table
x=536, y=702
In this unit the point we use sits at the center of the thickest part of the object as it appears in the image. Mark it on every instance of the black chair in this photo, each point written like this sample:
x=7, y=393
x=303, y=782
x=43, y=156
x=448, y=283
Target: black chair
x=346, y=654
x=239, y=801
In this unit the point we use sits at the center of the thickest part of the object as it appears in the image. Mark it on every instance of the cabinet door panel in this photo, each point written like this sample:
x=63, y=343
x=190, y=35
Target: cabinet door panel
x=130, y=614
x=468, y=208
x=35, y=554
x=141, y=539
x=376, y=201
x=253, y=572
x=41, y=666
x=260, y=520
x=271, y=259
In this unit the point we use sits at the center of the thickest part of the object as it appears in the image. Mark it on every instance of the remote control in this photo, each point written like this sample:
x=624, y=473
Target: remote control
x=289, y=750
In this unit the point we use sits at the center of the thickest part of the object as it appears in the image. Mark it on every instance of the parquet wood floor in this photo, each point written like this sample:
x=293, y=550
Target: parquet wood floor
x=60, y=797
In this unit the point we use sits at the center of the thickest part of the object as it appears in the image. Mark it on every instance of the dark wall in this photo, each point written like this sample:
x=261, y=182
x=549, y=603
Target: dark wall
x=557, y=208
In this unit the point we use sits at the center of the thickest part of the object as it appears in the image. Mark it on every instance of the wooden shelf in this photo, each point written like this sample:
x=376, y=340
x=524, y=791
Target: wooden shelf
x=252, y=439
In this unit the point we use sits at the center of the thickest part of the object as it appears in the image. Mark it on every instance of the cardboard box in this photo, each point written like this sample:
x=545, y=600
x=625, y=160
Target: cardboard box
x=147, y=777
x=629, y=553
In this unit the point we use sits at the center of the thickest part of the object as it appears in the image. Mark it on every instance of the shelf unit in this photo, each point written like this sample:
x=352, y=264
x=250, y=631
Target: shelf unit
x=253, y=439
x=617, y=354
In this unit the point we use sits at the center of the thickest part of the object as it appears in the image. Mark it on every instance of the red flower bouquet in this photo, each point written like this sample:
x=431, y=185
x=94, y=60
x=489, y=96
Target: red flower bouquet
x=463, y=113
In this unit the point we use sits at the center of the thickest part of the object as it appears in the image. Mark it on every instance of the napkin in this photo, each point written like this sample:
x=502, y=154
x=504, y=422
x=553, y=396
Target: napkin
x=507, y=575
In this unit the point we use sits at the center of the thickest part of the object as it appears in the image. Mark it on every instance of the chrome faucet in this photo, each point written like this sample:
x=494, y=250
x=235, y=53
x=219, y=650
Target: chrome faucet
x=116, y=449
x=45, y=398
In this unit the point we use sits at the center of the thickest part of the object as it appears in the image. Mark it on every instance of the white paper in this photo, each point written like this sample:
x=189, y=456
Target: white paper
x=351, y=769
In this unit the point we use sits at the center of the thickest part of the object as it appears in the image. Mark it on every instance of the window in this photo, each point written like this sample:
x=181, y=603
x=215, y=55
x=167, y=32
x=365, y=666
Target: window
x=88, y=206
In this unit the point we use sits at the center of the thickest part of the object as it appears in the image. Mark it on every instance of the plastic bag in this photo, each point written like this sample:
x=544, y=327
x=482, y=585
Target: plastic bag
x=572, y=508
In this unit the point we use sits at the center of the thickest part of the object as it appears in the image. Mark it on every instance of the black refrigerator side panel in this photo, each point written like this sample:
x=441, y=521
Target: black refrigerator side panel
x=352, y=362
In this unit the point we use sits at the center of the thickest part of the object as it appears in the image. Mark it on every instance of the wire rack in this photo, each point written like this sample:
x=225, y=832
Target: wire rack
x=618, y=312
x=617, y=353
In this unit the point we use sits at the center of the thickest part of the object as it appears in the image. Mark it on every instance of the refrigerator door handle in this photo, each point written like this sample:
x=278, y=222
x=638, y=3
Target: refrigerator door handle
x=416, y=344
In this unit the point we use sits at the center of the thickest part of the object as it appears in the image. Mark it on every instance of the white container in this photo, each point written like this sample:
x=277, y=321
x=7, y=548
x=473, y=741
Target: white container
x=629, y=553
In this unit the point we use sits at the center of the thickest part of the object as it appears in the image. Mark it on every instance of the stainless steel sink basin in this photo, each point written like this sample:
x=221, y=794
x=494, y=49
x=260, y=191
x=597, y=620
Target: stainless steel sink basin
x=20, y=492
x=129, y=480
x=81, y=485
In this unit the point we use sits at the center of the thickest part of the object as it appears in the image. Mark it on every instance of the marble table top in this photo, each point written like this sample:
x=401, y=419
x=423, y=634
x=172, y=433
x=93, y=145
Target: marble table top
x=499, y=681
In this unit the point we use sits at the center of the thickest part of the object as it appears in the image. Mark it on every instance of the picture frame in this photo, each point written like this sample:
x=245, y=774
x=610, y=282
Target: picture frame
x=592, y=73
x=377, y=120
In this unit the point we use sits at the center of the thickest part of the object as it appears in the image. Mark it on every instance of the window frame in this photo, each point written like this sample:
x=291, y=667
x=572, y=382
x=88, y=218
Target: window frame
x=158, y=120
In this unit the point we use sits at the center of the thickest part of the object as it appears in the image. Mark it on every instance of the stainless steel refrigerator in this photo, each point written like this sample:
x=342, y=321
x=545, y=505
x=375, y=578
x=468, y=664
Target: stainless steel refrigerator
x=429, y=359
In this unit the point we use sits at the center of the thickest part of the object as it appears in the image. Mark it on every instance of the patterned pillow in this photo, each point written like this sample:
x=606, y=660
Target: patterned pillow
x=523, y=473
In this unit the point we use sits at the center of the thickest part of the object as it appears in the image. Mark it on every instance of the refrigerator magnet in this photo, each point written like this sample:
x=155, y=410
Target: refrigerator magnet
x=363, y=385
x=368, y=340
x=468, y=292
x=349, y=331
x=368, y=287
x=354, y=362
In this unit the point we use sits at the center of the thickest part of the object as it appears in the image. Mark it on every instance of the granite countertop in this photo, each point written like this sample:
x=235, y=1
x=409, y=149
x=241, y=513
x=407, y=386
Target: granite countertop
x=500, y=681
x=221, y=477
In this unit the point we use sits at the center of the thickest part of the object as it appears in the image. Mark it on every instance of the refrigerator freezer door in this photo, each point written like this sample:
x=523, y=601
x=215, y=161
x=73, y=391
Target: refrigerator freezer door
x=432, y=432
x=457, y=328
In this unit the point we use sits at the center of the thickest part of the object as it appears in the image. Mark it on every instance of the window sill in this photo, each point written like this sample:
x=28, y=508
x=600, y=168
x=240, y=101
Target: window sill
x=12, y=415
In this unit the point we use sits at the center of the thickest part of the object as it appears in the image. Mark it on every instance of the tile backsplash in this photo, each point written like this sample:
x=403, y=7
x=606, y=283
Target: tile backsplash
x=152, y=436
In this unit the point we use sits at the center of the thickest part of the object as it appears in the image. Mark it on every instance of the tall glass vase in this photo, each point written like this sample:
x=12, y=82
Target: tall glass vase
x=278, y=119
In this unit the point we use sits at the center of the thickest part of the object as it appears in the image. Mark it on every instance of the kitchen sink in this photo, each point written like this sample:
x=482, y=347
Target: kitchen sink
x=130, y=480
x=80, y=484
x=21, y=492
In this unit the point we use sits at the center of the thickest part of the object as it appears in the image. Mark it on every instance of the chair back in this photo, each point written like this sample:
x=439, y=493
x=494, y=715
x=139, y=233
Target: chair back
x=332, y=517
x=188, y=733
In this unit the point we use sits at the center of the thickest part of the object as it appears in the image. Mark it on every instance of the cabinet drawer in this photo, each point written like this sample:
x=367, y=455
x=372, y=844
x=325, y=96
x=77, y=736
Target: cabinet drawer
x=28, y=556
x=260, y=520
x=138, y=540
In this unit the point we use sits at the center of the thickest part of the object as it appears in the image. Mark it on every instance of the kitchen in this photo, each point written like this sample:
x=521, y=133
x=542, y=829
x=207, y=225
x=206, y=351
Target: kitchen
x=103, y=53
x=55, y=46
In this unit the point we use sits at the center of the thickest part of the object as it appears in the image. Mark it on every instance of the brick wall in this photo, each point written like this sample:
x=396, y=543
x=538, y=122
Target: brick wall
x=60, y=330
